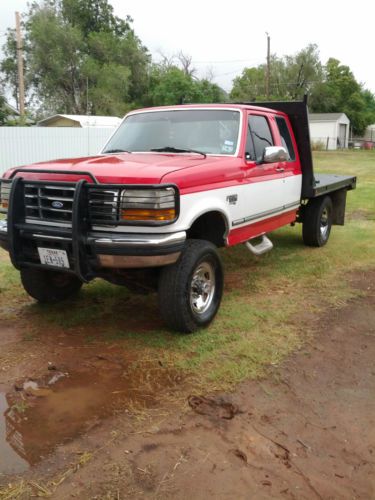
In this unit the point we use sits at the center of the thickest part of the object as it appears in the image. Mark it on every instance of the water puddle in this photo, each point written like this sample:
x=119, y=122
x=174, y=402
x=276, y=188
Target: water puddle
x=38, y=415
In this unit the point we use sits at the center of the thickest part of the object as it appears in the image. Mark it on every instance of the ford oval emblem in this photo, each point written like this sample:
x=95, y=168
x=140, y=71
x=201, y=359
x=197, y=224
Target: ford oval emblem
x=57, y=204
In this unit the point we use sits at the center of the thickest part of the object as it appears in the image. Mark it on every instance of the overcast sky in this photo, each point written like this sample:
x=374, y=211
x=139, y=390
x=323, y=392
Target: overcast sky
x=225, y=37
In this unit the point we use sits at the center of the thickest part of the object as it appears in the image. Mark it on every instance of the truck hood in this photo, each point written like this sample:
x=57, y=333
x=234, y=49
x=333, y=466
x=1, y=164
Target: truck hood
x=134, y=168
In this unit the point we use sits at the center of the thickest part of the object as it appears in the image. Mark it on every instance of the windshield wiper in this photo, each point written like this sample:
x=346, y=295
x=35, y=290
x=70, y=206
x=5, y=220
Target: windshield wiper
x=171, y=149
x=116, y=151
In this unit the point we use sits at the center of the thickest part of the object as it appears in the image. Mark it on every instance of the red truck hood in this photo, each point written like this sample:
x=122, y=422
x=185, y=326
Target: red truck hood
x=125, y=168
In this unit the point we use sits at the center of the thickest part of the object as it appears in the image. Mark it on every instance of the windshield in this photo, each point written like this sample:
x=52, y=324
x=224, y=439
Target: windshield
x=208, y=131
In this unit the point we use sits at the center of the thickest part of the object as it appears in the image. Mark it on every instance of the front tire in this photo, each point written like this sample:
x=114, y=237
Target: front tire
x=317, y=222
x=49, y=287
x=190, y=290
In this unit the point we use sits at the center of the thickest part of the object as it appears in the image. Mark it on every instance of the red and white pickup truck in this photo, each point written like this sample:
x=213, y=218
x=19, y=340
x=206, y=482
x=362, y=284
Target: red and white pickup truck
x=171, y=186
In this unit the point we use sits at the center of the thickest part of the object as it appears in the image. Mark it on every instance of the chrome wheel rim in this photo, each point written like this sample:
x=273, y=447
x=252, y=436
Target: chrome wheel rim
x=324, y=223
x=202, y=288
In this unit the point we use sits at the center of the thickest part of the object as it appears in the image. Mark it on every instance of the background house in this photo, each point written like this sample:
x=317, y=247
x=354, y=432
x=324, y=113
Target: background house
x=330, y=129
x=80, y=121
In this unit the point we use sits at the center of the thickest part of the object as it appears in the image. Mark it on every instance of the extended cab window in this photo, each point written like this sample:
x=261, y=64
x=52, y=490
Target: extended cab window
x=259, y=137
x=286, y=140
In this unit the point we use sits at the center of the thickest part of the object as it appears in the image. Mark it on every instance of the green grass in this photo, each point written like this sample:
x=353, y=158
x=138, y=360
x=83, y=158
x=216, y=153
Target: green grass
x=267, y=306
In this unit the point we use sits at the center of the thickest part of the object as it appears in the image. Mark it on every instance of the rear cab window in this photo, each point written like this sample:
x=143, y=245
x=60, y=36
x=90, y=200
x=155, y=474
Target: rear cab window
x=259, y=136
x=286, y=139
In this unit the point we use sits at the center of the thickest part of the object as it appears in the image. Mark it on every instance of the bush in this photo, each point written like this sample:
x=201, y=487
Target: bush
x=318, y=146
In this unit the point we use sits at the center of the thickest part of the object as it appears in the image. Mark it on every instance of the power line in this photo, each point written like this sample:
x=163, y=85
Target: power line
x=226, y=62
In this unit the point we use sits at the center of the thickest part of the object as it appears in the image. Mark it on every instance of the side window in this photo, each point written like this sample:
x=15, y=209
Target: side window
x=286, y=140
x=249, y=152
x=260, y=134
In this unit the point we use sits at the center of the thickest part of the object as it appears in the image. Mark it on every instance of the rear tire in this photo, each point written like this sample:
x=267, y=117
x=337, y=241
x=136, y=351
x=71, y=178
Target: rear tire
x=317, y=222
x=190, y=290
x=49, y=287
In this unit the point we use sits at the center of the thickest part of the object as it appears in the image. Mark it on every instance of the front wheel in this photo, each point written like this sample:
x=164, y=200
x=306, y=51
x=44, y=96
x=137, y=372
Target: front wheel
x=317, y=222
x=190, y=290
x=49, y=287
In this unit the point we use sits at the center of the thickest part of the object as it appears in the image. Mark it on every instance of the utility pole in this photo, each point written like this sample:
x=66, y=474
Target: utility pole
x=268, y=66
x=21, y=84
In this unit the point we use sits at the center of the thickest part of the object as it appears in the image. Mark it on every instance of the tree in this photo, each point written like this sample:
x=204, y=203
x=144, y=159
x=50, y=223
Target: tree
x=340, y=92
x=172, y=85
x=290, y=77
x=95, y=64
x=3, y=110
x=331, y=88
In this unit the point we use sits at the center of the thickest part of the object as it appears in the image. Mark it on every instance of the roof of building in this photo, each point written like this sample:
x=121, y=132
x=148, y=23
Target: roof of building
x=83, y=120
x=11, y=109
x=325, y=117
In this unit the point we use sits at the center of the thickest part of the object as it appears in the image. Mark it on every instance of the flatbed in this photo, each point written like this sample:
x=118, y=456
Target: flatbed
x=327, y=183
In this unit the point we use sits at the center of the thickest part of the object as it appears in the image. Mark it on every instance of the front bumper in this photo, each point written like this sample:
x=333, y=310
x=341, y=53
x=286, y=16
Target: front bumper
x=137, y=250
x=89, y=250
x=96, y=250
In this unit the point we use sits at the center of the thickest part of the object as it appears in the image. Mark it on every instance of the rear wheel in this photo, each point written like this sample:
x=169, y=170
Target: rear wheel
x=190, y=290
x=317, y=222
x=49, y=287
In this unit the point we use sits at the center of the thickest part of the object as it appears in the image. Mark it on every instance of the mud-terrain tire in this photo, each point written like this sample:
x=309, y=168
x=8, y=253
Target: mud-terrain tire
x=49, y=287
x=190, y=290
x=317, y=222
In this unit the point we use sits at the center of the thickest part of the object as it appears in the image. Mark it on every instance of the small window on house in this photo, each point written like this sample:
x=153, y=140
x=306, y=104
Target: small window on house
x=286, y=140
x=260, y=134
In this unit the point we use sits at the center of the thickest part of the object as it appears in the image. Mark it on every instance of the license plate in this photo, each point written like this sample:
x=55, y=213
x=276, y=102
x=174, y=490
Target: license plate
x=53, y=257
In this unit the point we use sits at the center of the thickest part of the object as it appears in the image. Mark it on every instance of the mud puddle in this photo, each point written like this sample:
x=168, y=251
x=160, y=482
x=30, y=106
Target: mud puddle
x=37, y=415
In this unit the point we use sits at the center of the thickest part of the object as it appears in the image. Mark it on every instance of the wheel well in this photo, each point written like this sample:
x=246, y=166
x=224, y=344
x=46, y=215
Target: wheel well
x=211, y=227
x=338, y=206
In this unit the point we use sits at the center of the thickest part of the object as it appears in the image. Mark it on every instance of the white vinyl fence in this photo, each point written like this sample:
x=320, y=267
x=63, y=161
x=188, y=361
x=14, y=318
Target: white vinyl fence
x=24, y=145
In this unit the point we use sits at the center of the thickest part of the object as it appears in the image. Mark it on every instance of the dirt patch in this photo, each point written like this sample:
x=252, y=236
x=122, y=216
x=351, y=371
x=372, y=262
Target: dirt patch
x=305, y=432
x=9, y=334
x=359, y=215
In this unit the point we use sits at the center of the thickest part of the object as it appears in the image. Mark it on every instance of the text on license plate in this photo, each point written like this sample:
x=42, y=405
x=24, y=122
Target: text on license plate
x=53, y=257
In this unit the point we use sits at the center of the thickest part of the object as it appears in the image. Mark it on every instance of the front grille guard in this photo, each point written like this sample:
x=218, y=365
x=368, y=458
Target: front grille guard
x=81, y=221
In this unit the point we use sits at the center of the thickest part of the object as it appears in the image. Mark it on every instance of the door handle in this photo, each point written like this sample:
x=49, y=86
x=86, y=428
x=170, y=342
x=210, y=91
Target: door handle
x=280, y=169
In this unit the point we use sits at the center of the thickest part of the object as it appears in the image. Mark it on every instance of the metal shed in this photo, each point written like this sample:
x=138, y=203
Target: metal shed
x=80, y=121
x=331, y=130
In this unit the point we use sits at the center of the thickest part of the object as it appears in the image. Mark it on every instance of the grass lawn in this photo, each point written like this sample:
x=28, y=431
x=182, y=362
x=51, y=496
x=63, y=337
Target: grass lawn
x=267, y=303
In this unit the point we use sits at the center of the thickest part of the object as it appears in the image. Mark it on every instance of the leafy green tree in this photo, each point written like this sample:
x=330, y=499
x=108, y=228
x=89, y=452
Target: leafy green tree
x=172, y=85
x=340, y=92
x=331, y=88
x=80, y=58
x=290, y=77
x=3, y=111
x=169, y=86
x=207, y=92
x=301, y=72
x=94, y=16
x=8, y=66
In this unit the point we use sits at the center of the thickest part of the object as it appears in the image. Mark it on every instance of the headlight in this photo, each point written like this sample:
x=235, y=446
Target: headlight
x=4, y=195
x=148, y=204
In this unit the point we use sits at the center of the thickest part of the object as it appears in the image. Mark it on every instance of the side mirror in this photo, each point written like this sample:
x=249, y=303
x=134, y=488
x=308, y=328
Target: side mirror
x=274, y=154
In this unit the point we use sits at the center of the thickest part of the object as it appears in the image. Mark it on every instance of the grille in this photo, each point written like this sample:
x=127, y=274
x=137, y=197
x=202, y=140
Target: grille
x=103, y=205
x=52, y=204
x=49, y=203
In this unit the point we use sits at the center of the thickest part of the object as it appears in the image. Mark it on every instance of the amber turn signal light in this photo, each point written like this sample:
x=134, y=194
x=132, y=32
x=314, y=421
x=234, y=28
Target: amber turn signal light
x=167, y=214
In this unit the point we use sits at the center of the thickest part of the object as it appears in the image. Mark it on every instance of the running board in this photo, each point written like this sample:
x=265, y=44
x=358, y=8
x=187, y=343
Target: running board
x=264, y=246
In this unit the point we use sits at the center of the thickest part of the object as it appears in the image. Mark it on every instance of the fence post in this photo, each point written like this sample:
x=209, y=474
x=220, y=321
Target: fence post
x=327, y=144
